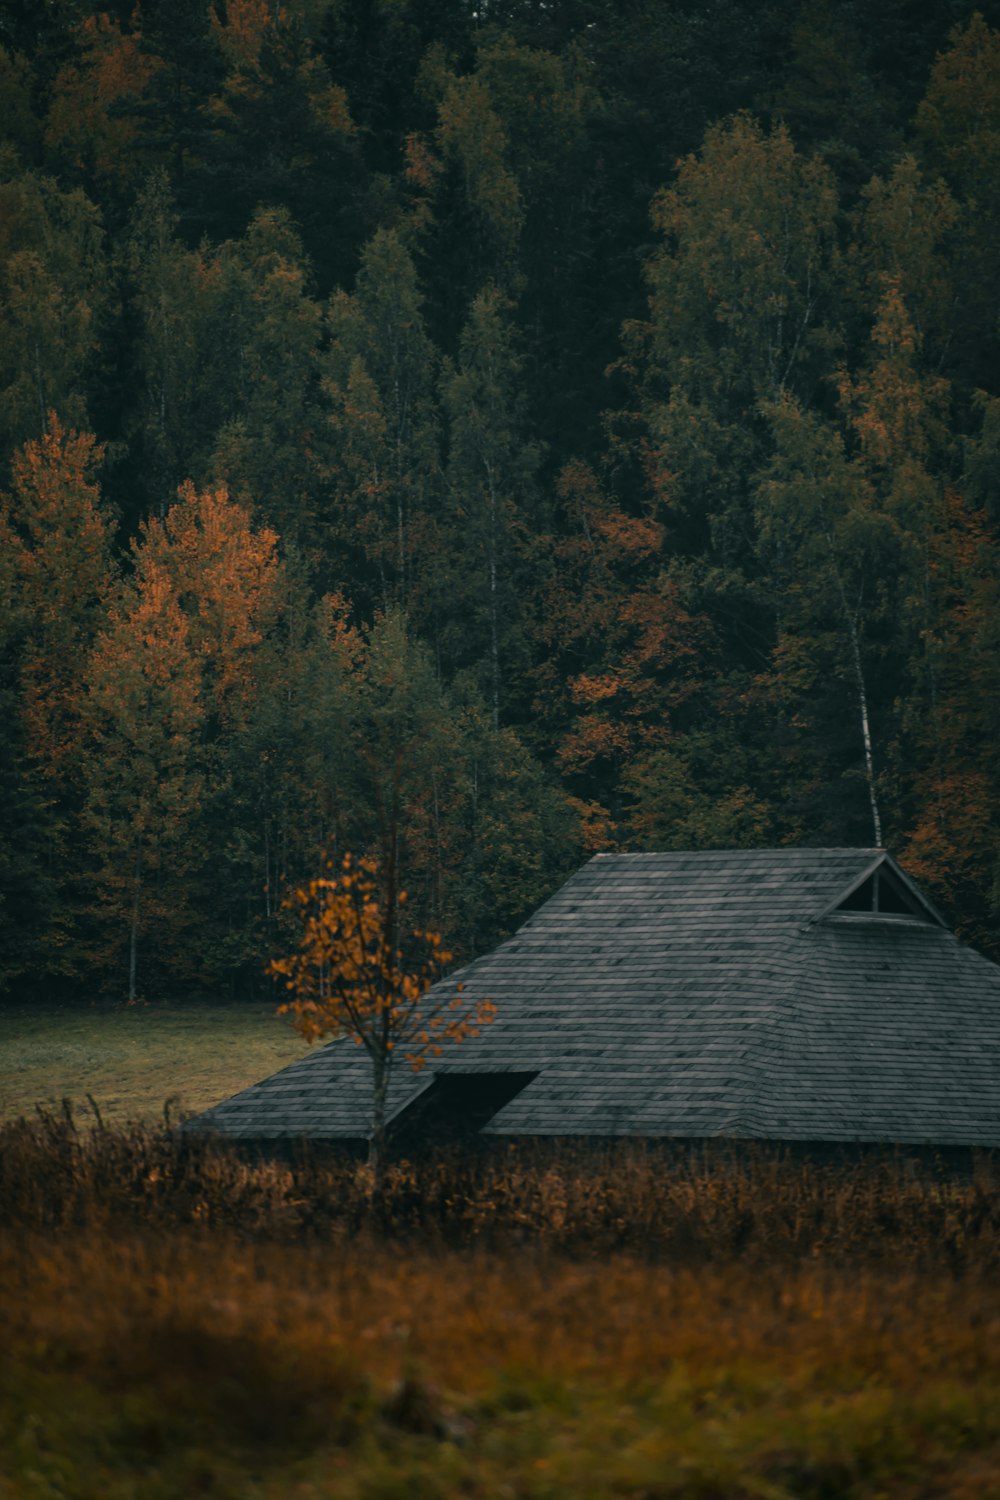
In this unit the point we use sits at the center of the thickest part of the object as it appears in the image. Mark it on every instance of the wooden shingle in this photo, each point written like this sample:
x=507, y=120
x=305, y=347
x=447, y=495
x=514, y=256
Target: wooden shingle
x=726, y=993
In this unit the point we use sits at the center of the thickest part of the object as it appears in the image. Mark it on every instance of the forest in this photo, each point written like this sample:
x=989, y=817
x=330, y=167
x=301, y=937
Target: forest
x=505, y=431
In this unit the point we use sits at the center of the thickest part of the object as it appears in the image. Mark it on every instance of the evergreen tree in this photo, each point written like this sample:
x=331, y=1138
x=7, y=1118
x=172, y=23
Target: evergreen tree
x=91, y=129
x=58, y=535
x=281, y=136
x=268, y=363
x=959, y=124
x=53, y=287
x=170, y=303
x=380, y=457
x=491, y=472
x=29, y=876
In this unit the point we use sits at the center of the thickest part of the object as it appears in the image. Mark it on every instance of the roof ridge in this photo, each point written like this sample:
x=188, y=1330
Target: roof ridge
x=804, y=849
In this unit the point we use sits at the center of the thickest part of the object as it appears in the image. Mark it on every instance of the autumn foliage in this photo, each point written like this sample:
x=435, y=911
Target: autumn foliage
x=581, y=421
x=359, y=972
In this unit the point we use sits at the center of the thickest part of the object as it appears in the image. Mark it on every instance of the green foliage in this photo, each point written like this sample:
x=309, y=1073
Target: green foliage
x=379, y=452
x=620, y=386
x=491, y=482
x=53, y=282
x=268, y=332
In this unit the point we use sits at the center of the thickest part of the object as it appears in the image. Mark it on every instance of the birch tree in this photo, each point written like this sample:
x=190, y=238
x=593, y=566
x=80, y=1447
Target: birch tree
x=832, y=546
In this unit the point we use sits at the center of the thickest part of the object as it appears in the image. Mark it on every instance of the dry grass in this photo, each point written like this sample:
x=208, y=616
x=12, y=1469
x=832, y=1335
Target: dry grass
x=177, y=1321
x=150, y=1367
x=693, y=1209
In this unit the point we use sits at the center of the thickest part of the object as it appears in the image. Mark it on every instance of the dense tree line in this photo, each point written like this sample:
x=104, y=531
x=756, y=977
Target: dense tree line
x=512, y=431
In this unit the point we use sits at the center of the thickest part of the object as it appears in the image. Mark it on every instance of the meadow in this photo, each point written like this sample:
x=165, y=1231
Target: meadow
x=181, y=1321
x=131, y=1059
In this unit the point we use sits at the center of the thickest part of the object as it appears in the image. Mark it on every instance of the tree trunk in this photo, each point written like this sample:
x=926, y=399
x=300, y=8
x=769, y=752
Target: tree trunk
x=133, y=937
x=494, y=607
x=867, y=737
x=40, y=383
x=376, y=1141
x=851, y=624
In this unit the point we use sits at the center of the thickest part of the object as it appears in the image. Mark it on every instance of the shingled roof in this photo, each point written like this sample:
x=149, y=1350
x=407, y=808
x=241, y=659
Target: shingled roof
x=792, y=994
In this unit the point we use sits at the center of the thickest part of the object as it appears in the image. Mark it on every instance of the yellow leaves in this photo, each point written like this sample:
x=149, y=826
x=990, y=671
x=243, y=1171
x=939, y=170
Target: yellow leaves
x=354, y=974
x=634, y=537
x=591, y=739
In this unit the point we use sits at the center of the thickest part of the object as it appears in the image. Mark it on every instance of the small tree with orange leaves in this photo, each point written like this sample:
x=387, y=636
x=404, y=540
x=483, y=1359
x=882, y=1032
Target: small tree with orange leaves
x=356, y=973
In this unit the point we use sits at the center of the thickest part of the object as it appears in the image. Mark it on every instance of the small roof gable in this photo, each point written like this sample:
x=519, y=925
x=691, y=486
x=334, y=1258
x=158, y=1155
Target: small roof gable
x=726, y=993
x=884, y=890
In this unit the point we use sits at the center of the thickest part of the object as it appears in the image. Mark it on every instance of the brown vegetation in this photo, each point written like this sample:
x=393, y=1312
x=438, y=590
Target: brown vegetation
x=177, y=1320
x=682, y=1208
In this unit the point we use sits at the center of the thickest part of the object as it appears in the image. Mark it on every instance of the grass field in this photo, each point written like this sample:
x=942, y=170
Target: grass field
x=149, y=1369
x=133, y=1059
x=177, y=1321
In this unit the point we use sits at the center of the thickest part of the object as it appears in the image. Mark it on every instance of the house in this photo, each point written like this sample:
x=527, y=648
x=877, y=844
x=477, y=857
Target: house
x=799, y=995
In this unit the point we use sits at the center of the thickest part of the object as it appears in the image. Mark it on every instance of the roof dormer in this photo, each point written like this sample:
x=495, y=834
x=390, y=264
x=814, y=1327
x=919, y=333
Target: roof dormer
x=883, y=891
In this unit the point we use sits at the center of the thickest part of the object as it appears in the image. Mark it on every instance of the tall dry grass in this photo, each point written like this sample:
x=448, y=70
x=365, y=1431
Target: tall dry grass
x=176, y=1320
x=696, y=1208
x=154, y=1365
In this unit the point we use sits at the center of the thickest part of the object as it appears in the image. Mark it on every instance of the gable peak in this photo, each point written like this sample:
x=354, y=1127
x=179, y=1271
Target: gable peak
x=882, y=890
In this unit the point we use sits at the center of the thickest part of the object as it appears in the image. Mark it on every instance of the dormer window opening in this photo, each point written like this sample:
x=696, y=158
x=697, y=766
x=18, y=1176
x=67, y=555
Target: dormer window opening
x=882, y=894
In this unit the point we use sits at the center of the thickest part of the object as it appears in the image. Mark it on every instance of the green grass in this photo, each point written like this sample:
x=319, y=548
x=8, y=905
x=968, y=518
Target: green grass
x=131, y=1060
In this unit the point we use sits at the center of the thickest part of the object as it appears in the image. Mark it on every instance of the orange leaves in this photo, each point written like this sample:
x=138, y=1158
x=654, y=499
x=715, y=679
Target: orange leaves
x=633, y=650
x=597, y=830
x=423, y=167
x=634, y=537
x=420, y=176
x=86, y=118
x=593, y=688
x=172, y=683
x=144, y=690
x=593, y=739
x=355, y=973
x=59, y=508
x=894, y=409
x=655, y=644
x=224, y=575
